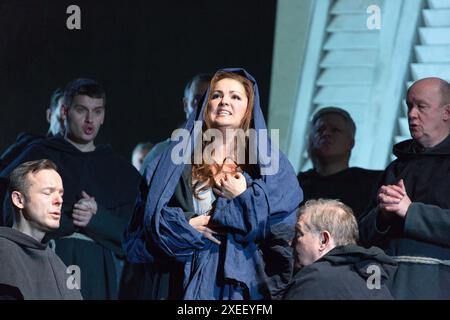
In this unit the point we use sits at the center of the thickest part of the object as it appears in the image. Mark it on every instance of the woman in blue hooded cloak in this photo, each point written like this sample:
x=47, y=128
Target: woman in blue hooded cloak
x=217, y=212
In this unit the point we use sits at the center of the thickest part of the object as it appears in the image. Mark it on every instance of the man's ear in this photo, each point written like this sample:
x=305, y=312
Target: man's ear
x=185, y=104
x=446, y=115
x=17, y=199
x=64, y=112
x=48, y=114
x=324, y=238
x=104, y=115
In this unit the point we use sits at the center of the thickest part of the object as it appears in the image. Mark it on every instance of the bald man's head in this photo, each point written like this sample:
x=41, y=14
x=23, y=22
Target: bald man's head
x=428, y=103
x=441, y=86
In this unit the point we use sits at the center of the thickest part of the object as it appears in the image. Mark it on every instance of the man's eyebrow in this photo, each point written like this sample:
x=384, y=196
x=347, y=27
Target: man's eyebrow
x=52, y=188
x=48, y=188
x=418, y=101
x=85, y=107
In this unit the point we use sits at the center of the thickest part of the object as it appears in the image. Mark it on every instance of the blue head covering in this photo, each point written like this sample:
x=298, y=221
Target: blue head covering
x=270, y=201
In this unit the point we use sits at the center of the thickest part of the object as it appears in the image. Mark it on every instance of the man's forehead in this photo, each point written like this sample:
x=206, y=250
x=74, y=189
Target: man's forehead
x=427, y=87
x=44, y=175
x=419, y=95
x=86, y=101
x=331, y=118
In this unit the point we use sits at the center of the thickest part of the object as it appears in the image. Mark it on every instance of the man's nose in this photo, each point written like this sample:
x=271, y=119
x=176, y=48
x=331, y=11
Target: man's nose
x=88, y=117
x=58, y=199
x=412, y=113
x=325, y=132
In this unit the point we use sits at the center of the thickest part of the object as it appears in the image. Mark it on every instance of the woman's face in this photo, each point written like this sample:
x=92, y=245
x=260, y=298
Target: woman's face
x=228, y=104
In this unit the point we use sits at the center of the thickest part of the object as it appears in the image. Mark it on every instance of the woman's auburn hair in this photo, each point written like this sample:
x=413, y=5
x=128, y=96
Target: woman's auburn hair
x=203, y=173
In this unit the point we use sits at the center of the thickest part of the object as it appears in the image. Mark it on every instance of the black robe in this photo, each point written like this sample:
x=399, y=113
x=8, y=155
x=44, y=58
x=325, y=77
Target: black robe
x=421, y=241
x=114, y=184
x=23, y=140
x=31, y=270
x=353, y=186
x=344, y=273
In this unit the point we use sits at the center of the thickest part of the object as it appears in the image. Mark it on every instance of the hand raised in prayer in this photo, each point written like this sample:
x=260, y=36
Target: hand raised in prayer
x=393, y=198
x=83, y=210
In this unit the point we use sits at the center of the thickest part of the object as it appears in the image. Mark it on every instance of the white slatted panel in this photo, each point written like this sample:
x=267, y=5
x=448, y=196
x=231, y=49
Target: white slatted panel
x=439, y=4
x=350, y=54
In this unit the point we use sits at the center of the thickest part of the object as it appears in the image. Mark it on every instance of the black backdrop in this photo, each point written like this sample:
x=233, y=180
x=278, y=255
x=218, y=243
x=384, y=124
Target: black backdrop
x=142, y=51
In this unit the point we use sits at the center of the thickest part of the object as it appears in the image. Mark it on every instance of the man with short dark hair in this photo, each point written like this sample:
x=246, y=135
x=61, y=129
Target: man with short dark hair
x=331, y=140
x=100, y=190
x=26, y=263
x=331, y=265
x=410, y=215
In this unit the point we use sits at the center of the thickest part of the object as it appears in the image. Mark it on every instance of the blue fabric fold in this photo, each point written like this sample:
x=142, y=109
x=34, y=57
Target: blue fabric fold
x=234, y=269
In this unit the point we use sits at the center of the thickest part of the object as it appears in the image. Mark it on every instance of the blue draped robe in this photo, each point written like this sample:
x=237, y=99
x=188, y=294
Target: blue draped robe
x=240, y=267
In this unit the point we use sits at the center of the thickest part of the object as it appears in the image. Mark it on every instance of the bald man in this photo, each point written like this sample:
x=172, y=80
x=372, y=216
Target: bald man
x=410, y=218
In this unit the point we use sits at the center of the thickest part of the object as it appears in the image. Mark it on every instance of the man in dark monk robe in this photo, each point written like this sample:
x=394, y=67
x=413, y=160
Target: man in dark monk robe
x=100, y=191
x=410, y=215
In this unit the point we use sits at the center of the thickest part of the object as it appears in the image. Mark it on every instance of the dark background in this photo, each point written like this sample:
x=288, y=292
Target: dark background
x=143, y=52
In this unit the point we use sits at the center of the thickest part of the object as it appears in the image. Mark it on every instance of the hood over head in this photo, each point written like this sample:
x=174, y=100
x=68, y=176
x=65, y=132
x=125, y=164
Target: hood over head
x=167, y=173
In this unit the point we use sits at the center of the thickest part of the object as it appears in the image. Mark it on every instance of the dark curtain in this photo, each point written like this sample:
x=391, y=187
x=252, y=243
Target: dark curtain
x=142, y=51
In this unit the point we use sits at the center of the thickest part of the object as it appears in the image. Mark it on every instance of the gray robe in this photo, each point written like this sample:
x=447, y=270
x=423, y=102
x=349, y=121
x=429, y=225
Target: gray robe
x=33, y=268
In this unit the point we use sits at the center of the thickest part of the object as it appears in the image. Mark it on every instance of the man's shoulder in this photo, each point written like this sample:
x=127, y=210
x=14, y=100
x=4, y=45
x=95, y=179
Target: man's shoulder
x=311, y=173
x=37, y=144
x=110, y=161
x=335, y=278
x=361, y=172
x=28, y=137
x=315, y=281
x=4, y=242
x=108, y=153
x=11, y=261
x=321, y=271
x=7, y=246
